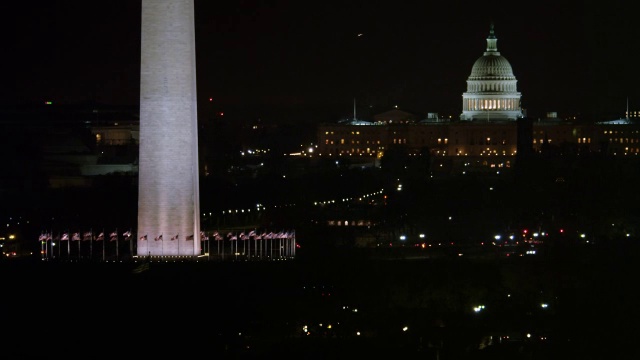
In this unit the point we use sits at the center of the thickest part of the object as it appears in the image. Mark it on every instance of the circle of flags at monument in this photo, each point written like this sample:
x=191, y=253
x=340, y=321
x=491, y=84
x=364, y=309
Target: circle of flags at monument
x=234, y=244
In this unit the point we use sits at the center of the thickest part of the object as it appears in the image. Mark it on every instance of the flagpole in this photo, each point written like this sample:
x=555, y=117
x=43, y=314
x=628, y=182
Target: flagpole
x=43, y=248
x=103, y=245
x=116, y=244
x=59, y=247
x=117, y=251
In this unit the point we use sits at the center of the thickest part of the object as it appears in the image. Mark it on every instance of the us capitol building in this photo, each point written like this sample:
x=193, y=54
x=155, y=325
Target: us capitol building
x=490, y=131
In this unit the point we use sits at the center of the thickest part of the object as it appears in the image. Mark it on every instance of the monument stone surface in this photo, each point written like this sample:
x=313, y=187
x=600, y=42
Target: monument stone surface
x=168, y=198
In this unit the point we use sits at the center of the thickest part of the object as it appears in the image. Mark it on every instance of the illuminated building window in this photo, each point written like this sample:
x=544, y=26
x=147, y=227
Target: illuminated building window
x=326, y=142
x=341, y=141
x=446, y=141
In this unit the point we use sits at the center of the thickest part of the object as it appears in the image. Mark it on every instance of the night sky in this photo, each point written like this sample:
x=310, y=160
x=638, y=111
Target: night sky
x=277, y=56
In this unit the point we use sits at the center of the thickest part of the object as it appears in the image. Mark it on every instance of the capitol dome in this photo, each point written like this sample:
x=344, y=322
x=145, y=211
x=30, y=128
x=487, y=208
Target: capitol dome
x=492, y=67
x=492, y=93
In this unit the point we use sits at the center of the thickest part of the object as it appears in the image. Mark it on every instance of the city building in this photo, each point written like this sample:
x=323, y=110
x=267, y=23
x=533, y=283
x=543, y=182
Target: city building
x=491, y=130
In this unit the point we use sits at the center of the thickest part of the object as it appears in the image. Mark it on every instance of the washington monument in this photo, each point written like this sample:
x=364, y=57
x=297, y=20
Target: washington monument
x=168, y=185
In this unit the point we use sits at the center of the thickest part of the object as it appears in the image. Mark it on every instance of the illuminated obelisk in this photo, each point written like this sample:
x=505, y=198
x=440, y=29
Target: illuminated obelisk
x=168, y=197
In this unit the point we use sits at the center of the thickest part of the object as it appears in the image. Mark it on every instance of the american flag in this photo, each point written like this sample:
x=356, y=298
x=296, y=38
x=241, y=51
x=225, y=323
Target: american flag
x=113, y=236
x=158, y=238
x=252, y=233
x=143, y=237
x=100, y=237
x=87, y=235
x=43, y=237
x=174, y=237
x=190, y=237
x=126, y=234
